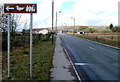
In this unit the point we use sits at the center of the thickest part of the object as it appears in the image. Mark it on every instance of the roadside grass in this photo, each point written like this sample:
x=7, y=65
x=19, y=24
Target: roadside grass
x=105, y=39
x=42, y=62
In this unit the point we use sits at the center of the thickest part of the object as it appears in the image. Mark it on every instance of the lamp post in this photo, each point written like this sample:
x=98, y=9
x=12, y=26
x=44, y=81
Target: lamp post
x=74, y=23
x=65, y=26
x=56, y=19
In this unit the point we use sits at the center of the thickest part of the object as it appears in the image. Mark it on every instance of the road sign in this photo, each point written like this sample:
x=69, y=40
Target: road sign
x=20, y=8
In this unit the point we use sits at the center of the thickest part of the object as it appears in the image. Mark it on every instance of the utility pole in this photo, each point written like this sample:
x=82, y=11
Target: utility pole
x=52, y=20
x=56, y=22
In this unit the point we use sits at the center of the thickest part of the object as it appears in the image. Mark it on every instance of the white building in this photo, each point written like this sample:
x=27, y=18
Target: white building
x=40, y=31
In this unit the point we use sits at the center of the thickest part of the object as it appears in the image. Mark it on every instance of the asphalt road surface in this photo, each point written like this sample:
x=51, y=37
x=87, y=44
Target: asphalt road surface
x=92, y=61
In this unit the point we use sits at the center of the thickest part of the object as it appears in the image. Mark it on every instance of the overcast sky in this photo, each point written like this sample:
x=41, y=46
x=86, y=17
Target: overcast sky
x=86, y=12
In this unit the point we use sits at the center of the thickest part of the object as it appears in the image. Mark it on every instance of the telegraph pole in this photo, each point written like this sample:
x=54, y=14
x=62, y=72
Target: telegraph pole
x=56, y=22
x=52, y=20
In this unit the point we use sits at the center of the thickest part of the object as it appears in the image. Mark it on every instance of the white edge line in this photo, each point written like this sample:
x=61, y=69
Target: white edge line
x=72, y=65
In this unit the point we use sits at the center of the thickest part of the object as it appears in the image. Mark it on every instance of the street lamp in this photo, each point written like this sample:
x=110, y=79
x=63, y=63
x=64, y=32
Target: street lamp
x=65, y=26
x=74, y=22
x=56, y=19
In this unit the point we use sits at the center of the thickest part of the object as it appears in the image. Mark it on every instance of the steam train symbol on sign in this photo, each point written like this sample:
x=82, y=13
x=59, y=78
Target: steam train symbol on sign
x=19, y=8
x=30, y=8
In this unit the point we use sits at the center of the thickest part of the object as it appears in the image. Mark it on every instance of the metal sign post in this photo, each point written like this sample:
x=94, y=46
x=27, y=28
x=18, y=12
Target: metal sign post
x=20, y=8
x=31, y=24
x=8, y=45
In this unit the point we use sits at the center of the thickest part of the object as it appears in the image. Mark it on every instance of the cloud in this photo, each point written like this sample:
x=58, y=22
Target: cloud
x=86, y=12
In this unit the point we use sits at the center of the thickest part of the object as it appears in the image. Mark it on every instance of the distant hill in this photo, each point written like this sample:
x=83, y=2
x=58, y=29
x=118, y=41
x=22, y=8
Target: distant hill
x=83, y=28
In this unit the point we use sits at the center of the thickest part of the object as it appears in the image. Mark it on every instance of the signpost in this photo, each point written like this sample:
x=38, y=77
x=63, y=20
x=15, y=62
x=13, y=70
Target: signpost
x=20, y=8
x=8, y=45
x=31, y=21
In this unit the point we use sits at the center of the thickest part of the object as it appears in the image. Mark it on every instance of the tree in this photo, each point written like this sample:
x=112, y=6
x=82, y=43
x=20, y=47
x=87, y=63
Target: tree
x=92, y=30
x=116, y=29
x=15, y=22
x=1, y=16
x=3, y=20
x=111, y=26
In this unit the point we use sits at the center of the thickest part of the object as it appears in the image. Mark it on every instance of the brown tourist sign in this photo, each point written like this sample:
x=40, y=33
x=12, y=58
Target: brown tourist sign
x=20, y=8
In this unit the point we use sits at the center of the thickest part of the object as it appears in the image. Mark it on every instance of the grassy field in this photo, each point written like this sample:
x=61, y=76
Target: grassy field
x=42, y=62
x=105, y=38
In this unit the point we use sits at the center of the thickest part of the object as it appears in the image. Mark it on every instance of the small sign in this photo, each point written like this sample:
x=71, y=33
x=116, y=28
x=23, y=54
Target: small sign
x=20, y=8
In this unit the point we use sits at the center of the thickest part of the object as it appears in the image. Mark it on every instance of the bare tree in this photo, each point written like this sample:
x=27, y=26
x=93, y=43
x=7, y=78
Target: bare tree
x=3, y=19
x=15, y=22
x=1, y=16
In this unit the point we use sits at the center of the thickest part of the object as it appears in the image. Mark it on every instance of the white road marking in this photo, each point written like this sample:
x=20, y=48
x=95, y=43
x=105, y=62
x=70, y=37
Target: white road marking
x=81, y=64
x=111, y=51
x=92, y=48
x=79, y=78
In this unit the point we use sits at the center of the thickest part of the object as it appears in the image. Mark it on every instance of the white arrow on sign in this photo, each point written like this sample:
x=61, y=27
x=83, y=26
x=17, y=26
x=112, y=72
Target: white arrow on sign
x=8, y=8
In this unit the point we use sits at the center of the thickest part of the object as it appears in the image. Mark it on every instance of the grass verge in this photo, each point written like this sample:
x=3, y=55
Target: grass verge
x=100, y=40
x=20, y=62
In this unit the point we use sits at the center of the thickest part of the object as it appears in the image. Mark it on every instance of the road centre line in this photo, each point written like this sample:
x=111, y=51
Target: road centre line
x=92, y=48
x=81, y=64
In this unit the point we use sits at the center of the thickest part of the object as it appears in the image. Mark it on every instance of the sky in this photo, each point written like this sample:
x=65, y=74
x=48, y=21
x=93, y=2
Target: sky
x=85, y=12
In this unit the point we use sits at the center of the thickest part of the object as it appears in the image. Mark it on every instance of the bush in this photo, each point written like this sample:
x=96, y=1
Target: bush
x=111, y=26
x=18, y=39
x=4, y=41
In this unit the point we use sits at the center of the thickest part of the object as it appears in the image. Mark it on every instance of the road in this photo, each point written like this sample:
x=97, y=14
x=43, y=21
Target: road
x=92, y=61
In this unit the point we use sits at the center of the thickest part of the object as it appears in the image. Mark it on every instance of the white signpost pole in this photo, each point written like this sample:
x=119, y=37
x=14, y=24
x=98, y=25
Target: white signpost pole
x=8, y=45
x=31, y=24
